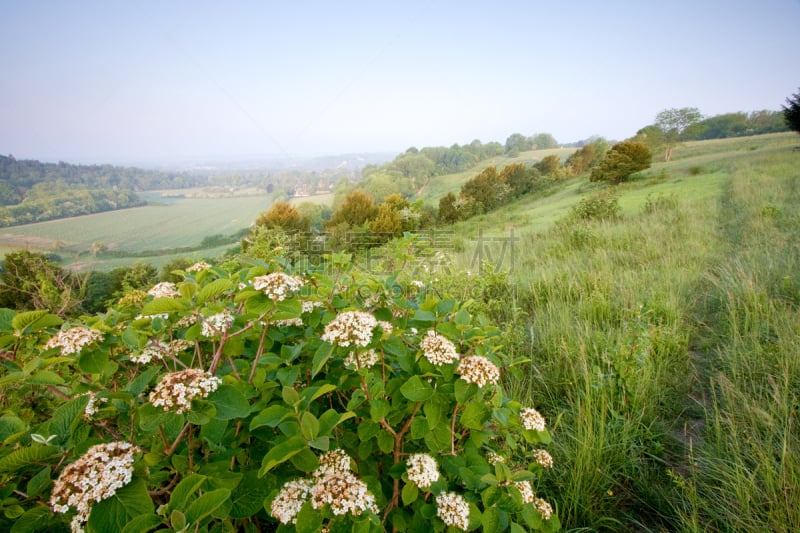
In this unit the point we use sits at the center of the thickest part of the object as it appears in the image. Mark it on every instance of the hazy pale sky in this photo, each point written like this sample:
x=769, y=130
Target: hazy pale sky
x=138, y=81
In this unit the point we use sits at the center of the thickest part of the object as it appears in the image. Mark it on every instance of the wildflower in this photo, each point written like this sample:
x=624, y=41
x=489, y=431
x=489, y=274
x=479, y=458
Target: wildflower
x=364, y=359
x=438, y=349
x=418, y=284
x=72, y=340
x=543, y=458
x=344, y=492
x=350, y=327
x=494, y=458
x=453, y=509
x=309, y=306
x=94, y=477
x=165, y=289
x=290, y=499
x=544, y=508
x=217, y=324
x=332, y=462
x=479, y=370
x=526, y=490
x=532, y=419
x=153, y=350
x=386, y=326
x=134, y=297
x=178, y=389
x=277, y=285
x=290, y=322
x=422, y=470
x=91, y=407
x=198, y=267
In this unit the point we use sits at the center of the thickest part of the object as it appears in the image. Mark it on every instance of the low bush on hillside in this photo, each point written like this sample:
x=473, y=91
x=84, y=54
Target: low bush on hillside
x=266, y=399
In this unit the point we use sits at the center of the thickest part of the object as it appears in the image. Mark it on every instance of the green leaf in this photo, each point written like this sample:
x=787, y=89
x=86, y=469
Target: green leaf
x=281, y=453
x=309, y=425
x=206, y=504
x=201, y=413
x=138, y=384
x=475, y=415
x=29, y=321
x=93, y=362
x=445, y=306
x=288, y=309
x=38, y=483
x=516, y=528
x=142, y=524
x=230, y=402
x=312, y=393
x=161, y=306
x=34, y=519
x=434, y=409
x=6, y=319
x=10, y=425
x=45, y=377
x=321, y=357
x=305, y=460
x=248, y=497
x=330, y=419
x=290, y=396
x=462, y=317
x=385, y=441
x=271, y=416
x=183, y=491
x=65, y=416
x=424, y=316
x=410, y=493
x=113, y=514
x=213, y=289
x=22, y=457
x=309, y=520
x=416, y=389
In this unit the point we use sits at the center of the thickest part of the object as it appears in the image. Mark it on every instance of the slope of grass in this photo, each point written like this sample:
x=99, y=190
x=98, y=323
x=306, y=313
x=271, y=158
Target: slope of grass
x=664, y=344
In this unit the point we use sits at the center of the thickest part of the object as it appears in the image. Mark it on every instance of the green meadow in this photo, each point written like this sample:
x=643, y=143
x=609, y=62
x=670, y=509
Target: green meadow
x=663, y=343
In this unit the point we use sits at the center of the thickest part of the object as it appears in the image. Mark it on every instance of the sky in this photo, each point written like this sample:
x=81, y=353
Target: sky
x=159, y=81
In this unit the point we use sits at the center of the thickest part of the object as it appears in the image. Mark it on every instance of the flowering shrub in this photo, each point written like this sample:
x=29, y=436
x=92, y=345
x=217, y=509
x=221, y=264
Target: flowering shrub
x=260, y=400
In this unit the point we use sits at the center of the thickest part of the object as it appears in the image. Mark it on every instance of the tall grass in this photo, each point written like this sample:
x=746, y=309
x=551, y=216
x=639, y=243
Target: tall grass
x=665, y=347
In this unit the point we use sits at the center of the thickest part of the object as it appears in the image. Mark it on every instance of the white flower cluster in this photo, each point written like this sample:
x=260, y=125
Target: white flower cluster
x=350, y=327
x=532, y=419
x=91, y=407
x=386, y=327
x=177, y=389
x=331, y=484
x=439, y=350
x=165, y=289
x=153, y=350
x=365, y=359
x=94, y=477
x=290, y=499
x=544, y=508
x=198, y=267
x=72, y=340
x=217, y=324
x=479, y=370
x=309, y=306
x=453, y=509
x=526, y=490
x=422, y=470
x=277, y=285
x=290, y=322
x=543, y=458
x=494, y=458
x=418, y=284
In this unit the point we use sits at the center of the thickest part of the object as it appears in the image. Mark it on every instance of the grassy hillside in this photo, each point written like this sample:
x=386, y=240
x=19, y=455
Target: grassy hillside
x=664, y=343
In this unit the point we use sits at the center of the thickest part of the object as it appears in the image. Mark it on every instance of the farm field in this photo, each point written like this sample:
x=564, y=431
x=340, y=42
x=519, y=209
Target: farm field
x=172, y=223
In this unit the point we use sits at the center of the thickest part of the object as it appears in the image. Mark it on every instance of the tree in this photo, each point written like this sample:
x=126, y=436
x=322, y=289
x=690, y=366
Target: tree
x=549, y=166
x=448, y=212
x=791, y=112
x=285, y=216
x=356, y=209
x=623, y=160
x=673, y=122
